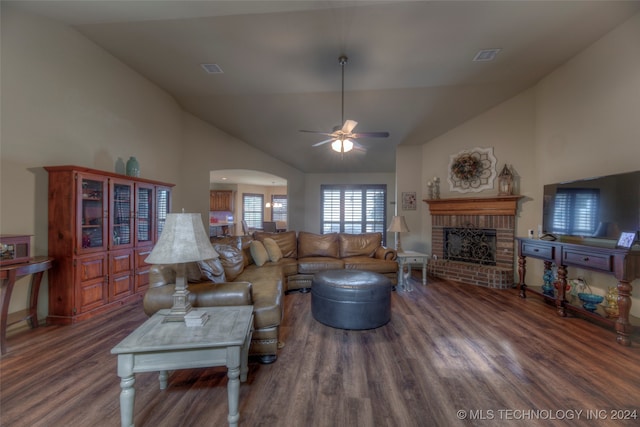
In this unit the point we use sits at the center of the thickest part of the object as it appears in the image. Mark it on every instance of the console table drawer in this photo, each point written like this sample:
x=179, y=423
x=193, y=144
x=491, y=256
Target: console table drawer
x=587, y=259
x=538, y=251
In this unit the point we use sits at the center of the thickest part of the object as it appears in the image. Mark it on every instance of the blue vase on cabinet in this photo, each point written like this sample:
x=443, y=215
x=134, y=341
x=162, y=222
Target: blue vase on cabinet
x=133, y=167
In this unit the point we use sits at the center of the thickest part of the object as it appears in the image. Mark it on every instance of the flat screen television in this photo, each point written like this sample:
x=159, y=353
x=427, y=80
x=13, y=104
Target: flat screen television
x=601, y=207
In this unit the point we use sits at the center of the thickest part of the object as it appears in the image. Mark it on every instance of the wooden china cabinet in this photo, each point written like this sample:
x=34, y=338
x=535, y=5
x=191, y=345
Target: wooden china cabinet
x=102, y=226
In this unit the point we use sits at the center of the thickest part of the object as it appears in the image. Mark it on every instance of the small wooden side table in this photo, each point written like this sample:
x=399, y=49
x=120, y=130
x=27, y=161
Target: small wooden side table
x=409, y=258
x=156, y=346
x=8, y=276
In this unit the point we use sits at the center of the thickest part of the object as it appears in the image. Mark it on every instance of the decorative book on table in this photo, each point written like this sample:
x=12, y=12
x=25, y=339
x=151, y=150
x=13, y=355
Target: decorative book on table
x=196, y=318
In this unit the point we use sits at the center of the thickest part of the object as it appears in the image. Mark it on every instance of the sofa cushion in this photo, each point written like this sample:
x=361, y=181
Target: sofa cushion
x=366, y=263
x=364, y=244
x=231, y=259
x=272, y=249
x=312, y=265
x=209, y=270
x=267, y=287
x=317, y=245
x=289, y=266
x=259, y=253
x=286, y=241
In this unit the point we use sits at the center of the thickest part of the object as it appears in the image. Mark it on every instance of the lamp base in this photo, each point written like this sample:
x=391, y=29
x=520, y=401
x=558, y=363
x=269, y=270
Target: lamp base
x=181, y=304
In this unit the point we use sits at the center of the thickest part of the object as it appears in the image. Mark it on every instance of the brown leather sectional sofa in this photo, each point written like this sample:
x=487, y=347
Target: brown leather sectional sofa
x=234, y=279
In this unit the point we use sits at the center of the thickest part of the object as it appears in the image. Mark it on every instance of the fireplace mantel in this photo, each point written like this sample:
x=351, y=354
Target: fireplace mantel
x=496, y=205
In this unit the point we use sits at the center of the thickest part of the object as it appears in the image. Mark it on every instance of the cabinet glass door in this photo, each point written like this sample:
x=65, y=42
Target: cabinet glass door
x=144, y=214
x=92, y=211
x=163, y=207
x=121, y=214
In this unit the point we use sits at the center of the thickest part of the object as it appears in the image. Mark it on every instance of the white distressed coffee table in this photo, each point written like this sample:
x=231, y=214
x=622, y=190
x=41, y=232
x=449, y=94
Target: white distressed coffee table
x=155, y=346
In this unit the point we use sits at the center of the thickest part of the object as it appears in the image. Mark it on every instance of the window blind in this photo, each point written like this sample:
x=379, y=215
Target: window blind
x=252, y=209
x=278, y=208
x=353, y=208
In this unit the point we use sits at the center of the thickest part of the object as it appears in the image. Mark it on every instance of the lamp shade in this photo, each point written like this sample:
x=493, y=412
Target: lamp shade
x=398, y=225
x=183, y=239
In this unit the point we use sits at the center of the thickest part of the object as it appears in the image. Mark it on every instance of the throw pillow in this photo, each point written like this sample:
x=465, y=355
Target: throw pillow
x=273, y=250
x=212, y=270
x=209, y=270
x=259, y=253
x=232, y=260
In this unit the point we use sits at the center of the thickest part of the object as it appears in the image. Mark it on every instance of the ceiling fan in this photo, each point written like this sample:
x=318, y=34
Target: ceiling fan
x=341, y=138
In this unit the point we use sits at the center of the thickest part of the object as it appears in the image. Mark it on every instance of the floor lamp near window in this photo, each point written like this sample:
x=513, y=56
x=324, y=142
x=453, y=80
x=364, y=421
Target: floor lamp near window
x=398, y=225
x=183, y=240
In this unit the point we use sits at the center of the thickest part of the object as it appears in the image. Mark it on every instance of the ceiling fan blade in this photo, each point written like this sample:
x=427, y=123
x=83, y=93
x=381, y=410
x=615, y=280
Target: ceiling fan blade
x=349, y=125
x=357, y=147
x=317, y=132
x=370, y=135
x=323, y=142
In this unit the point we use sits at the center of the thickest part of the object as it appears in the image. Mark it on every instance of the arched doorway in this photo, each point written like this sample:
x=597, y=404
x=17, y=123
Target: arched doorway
x=256, y=197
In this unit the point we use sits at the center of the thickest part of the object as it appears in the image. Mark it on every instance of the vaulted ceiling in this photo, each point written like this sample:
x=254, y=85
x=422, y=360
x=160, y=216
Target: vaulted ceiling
x=410, y=69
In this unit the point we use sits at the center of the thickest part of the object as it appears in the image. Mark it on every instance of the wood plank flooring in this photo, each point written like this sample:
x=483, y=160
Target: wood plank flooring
x=449, y=347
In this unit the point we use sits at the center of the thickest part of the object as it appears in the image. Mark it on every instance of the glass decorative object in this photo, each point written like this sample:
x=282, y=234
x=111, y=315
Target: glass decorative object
x=612, y=303
x=133, y=167
x=547, y=288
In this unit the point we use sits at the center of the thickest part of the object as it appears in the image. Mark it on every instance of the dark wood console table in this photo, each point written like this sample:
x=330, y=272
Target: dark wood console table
x=8, y=276
x=623, y=264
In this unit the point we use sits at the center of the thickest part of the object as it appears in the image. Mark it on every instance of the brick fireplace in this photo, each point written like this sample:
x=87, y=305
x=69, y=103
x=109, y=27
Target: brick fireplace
x=494, y=217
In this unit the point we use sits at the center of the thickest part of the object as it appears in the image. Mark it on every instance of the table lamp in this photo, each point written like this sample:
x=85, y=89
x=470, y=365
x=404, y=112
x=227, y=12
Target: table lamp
x=398, y=225
x=183, y=240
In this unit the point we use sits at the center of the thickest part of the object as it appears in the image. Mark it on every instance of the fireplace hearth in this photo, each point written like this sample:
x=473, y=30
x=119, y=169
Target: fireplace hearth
x=473, y=240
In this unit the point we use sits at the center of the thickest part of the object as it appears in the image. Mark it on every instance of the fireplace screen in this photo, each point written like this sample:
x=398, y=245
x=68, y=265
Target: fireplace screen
x=470, y=244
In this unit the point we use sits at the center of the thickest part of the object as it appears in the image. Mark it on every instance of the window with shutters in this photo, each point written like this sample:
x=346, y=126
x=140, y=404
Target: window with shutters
x=353, y=209
x=279, y=208
x=575, y=211
x=252, y=209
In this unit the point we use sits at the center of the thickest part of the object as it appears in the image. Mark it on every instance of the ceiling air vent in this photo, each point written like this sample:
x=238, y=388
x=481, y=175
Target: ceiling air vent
x=486, y=55
x=212, y=68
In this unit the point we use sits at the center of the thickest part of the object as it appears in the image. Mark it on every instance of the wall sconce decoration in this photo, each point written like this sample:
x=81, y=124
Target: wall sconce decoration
x=472, y=170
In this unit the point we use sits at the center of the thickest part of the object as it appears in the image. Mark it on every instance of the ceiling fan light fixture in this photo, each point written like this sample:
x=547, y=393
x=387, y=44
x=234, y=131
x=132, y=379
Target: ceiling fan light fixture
x=341, y=146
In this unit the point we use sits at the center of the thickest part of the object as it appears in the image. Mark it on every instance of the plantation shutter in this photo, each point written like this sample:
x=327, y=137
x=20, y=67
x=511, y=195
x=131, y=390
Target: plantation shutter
x=353, y=208
x=252, y=208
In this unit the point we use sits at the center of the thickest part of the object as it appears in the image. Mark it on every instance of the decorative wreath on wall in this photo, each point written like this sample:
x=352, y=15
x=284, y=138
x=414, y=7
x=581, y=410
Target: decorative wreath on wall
x=472, y=170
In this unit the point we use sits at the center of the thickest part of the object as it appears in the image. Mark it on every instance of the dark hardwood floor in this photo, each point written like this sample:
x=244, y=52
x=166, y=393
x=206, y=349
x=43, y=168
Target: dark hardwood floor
x=449, y=347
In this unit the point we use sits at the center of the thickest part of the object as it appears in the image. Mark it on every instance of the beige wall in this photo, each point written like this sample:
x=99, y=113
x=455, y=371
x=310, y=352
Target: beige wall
x=580, y=121
x=67, y=101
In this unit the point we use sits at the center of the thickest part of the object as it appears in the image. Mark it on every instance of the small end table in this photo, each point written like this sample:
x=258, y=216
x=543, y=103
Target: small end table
x=156, y=346
x=8, y=276
x=409, y=258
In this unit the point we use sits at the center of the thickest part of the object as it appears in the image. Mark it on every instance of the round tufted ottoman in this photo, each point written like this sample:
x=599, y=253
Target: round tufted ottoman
x=351, y=299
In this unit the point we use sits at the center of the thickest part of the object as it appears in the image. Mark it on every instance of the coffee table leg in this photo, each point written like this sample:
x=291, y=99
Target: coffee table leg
x=233, y=386
x=127, y=392
x=127, y=397
x=244, y=356
x=424, y=272
x=163, y=376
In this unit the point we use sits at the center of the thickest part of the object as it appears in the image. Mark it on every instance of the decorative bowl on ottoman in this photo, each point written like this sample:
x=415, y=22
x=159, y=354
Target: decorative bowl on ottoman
x=590, y=301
